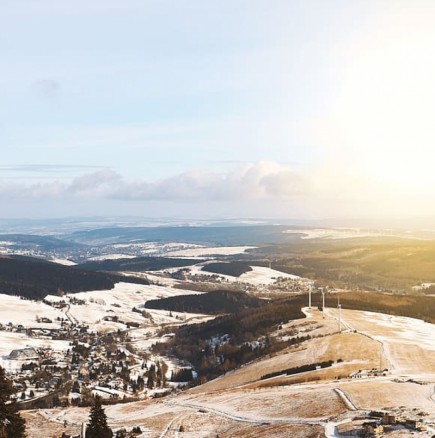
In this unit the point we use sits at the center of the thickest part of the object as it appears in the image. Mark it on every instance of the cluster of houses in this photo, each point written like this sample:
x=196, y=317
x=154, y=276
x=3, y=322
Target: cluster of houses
x=63, y=330
x=378, y=423
x=92, y=365
x=390, y=421
x=295, y=285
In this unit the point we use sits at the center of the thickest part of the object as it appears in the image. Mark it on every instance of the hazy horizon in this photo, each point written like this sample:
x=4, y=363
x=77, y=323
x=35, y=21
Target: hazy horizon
x=420, y=229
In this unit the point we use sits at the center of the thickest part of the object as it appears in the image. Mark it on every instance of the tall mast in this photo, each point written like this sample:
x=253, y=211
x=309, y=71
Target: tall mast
x=339, y=315
x=323, y=299
x=309, y=296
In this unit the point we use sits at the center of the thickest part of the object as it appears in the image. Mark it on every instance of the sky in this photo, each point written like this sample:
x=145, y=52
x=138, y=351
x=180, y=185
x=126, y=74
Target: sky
x=304, y=109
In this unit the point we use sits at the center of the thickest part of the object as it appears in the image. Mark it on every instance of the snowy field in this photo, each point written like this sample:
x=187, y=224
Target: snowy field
x=64, y=262
x=210, y=251
x=26, y=312
x=111, y=256
x=261, y=275
x=100, y=305
x=408, y=344
x=257, y=277
x=173, y=249
x=333, y=233
x=156, y=278
x=211, y=415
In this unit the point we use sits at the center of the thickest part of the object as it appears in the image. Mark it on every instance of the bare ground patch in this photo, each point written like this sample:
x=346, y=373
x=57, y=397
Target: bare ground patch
x=279, y=431
x=277, y=403
x=380, y=395
x=357, y=351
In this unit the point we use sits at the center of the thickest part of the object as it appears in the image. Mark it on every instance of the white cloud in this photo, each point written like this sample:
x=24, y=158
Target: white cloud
x=262, y=189
x=260, y=180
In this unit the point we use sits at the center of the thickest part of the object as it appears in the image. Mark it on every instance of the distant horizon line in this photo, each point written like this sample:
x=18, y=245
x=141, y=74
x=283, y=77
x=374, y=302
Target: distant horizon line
x=337, y=222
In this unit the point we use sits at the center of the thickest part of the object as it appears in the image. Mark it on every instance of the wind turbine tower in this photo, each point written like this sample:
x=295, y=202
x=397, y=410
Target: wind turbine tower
x=309, y=296
x=339, y=317
x=323, y=302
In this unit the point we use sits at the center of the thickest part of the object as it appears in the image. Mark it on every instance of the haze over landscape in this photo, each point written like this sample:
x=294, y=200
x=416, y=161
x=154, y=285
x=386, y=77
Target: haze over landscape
x=290, y=109
x=217, y=219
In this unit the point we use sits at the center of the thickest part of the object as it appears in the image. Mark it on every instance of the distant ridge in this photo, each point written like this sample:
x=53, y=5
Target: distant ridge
x=224, y=235
x=42, y=243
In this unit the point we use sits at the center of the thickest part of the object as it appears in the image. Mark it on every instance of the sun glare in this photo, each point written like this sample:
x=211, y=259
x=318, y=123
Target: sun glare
x=384, y=114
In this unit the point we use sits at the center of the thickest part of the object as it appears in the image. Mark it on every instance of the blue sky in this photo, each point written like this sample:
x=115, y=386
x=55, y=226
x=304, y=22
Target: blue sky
x=304, y=109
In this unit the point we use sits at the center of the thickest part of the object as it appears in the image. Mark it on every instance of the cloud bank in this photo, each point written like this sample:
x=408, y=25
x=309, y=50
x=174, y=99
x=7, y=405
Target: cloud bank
x=255, y=181
x=257, y=189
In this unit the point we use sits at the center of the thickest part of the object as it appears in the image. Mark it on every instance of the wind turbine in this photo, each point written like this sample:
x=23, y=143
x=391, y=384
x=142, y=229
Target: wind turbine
x=339, y=315
x=323, y=300
x=310, y=287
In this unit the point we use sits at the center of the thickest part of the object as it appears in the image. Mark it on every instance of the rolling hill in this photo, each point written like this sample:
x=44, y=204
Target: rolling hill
x=35, y=278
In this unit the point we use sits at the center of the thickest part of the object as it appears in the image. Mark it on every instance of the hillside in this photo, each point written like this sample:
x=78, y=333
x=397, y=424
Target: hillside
x=382, y=264
x=308, y=404
x=227, y=342
x=211, y=303
x=137, y=264
x=235, y=269
x=413, y=306
x=36, y=278
x=31, y=242
x=245, y=334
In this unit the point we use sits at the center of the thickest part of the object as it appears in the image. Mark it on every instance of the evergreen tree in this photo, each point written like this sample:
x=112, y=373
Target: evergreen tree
x=12, y=425
x=76, y=387
x=164, y=369
x=151, y=377
x=97, y=426
x=158, y=375
x=140, y=382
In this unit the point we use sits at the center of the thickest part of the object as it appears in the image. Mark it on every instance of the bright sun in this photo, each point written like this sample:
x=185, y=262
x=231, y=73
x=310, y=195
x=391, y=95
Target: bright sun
x=384, y=116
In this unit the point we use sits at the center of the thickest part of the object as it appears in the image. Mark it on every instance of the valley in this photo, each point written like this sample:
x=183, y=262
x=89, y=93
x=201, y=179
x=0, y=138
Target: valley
x=232, y=349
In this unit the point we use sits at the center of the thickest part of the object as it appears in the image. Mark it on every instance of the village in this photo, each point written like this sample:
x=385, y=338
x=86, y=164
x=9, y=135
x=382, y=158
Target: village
x=94, y=364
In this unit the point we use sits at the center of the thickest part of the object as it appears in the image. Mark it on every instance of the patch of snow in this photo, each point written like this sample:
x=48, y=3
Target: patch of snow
x=210, y=251
x=25, y=312
x=64, y=262
x=422, y=286
x=333, y=233
x=110, y=257
x=121, y=300
x=261, y=275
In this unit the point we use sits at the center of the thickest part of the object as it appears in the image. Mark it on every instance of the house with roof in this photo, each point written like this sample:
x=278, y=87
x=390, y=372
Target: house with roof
x=24, y=354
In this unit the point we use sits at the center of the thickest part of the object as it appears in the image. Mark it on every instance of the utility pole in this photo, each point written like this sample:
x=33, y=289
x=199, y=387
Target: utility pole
x=380, y=358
